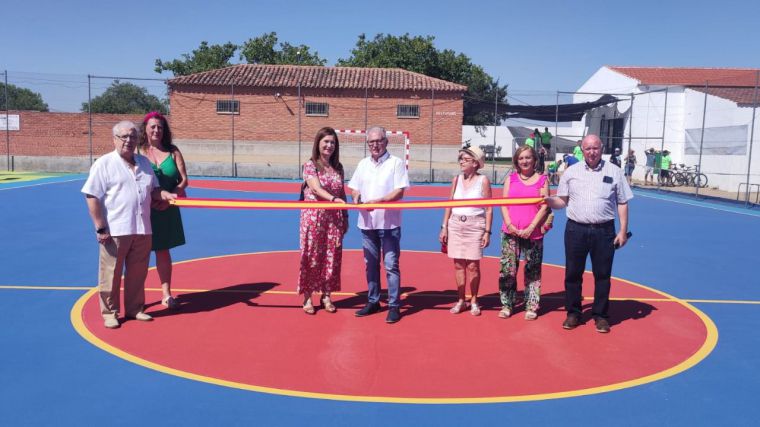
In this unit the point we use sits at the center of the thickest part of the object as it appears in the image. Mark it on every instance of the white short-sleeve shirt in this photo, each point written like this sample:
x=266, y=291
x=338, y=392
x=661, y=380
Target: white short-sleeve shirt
x=374, y=180
x=123, y=193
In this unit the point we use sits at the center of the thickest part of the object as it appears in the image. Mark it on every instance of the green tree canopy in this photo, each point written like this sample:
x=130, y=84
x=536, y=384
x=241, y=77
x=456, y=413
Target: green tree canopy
x=202, y=59
x=20, y=98
x=262, y=50
x=419, y=54
x=126, y=98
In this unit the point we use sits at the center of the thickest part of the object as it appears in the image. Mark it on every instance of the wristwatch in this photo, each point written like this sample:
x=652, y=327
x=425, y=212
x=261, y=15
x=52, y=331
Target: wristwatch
x=101, y=230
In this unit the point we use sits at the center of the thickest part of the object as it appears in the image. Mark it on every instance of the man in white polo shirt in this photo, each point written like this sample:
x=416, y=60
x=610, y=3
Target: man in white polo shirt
x=380, y=178
x=593, y=191
x=119, y=191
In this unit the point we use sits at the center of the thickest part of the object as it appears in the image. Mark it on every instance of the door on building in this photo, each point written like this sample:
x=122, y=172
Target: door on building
x=611, y=133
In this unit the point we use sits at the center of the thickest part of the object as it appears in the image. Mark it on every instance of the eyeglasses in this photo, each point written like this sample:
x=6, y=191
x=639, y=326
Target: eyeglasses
x=466, y=160
x=127, y=137
x=374, y=142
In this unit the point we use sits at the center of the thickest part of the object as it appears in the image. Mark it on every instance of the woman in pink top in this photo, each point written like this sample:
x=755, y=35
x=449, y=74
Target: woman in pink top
x=467, y=230
x=523, y=232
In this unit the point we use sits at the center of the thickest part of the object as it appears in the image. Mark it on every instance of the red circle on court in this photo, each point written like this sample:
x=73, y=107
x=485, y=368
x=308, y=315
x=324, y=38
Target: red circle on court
x=241, y=324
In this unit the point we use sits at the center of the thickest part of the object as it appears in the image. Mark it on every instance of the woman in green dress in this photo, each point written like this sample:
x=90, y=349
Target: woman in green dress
x=169, y=166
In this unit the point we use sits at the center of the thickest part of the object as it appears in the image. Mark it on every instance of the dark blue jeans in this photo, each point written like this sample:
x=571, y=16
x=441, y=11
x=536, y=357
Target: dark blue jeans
x=580, y=241
x=389, y=242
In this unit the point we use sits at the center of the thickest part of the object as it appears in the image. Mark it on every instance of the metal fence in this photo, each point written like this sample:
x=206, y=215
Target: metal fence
x=710, y=128
x=71, y=139
x=708, y=132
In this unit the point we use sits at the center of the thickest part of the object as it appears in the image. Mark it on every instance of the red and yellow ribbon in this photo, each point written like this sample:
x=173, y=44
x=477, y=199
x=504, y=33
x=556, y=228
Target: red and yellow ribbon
x=282, y=204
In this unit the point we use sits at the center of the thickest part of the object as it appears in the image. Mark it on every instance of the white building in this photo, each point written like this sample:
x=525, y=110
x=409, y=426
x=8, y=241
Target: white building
x=722, y=96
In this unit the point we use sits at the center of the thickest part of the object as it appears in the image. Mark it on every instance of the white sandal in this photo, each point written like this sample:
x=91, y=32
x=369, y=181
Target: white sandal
x=505, y=313
x=459, y=307
x=474, y=309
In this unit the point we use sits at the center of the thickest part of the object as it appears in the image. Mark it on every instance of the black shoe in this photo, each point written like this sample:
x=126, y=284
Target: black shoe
x=370, y=308
x=393, y=315
x=602, y=325
x=571, y=322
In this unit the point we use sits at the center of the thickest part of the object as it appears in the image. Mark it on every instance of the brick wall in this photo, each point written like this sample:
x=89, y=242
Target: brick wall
x=272, y=114
x=263, y=117
x=62, y=134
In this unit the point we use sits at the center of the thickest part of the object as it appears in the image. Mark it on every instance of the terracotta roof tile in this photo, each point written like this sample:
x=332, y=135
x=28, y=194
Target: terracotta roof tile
x=682, y=76
x=316, y=77
x=734, y=84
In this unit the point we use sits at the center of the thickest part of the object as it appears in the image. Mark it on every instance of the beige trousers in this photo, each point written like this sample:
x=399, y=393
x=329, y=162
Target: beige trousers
x=130, y=255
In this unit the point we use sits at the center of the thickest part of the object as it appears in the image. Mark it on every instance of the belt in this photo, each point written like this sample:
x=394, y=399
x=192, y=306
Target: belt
x=465, y=218
x=606, y=224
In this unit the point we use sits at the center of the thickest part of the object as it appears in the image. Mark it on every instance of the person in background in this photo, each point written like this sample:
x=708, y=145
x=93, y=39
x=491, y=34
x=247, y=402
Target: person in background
x=169, y=166
x=665, y=163
x=522, y=233
x=578, y=152
x=546, y=142
x=615, y=158
x=530, y=141
x=649, y=172
x=467, y=230
x=322, y=230
x=630, y=165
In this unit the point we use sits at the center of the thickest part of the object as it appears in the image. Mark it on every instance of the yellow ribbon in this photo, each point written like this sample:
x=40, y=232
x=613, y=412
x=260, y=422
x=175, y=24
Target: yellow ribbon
x=281, y=204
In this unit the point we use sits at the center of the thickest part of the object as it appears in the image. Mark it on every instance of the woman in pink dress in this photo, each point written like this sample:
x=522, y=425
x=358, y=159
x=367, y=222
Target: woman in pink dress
x=523, y=233
x=322, y=230
x=467, y=230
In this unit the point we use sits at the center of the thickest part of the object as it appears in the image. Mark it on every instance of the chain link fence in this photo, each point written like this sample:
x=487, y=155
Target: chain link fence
x=695, y=139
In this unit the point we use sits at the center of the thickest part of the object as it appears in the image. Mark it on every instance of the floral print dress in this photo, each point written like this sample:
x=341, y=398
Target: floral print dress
x=321, y=235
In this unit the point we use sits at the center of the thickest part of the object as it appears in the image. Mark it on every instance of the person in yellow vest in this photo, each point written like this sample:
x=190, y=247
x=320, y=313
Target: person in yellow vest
x=665, y=163
x=530, y=141
x=578, y=152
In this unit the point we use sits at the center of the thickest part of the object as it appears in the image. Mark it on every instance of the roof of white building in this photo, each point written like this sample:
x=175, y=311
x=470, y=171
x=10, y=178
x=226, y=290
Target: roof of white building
x=735, y=84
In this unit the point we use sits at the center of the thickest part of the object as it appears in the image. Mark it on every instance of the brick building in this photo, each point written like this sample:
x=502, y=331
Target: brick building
x=259, y=103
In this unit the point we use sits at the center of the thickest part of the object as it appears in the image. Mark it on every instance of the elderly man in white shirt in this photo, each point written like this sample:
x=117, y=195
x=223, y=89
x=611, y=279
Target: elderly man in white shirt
x=593, y=192
x=119, y=192
x=380, y=178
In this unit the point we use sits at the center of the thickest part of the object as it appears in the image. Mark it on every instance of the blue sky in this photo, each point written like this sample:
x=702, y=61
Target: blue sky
x=537, y=47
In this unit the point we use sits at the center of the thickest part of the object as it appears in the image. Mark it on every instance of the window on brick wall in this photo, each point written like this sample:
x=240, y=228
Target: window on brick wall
x=408, y=111
x=317, y=109
x=227, y=106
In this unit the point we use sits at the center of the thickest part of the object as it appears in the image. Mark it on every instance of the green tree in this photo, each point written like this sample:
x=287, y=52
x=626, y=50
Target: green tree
x=20, y=98
x=202, y=59
x=419, y=54
x=262, y=50
x=126, y=98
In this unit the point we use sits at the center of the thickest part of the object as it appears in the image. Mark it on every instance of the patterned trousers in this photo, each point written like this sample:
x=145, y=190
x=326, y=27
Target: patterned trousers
x=511, y=248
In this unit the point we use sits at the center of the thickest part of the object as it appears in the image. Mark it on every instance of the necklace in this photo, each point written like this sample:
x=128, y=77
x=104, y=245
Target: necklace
x=520, y=175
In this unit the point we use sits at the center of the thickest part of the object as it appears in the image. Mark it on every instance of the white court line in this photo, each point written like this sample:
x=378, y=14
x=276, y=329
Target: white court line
x=42, y=183
x=698, y=204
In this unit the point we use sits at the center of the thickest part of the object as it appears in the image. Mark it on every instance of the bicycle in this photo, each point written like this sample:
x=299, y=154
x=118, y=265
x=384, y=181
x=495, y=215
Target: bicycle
x=691, y=176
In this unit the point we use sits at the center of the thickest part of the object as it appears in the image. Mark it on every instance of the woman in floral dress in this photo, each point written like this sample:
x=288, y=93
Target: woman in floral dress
x=322, y=230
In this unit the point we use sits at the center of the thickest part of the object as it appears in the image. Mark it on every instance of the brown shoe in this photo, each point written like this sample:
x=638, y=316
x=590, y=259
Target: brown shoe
x=571, y=322
x=602, y=325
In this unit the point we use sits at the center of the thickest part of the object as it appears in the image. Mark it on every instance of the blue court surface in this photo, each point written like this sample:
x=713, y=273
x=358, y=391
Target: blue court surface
x=701, y=252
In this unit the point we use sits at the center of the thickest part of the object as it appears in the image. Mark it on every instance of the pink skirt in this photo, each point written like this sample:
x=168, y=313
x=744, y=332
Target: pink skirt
x=465, y=236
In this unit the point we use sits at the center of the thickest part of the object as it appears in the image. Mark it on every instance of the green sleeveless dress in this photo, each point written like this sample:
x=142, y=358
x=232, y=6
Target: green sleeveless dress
x=167, y=225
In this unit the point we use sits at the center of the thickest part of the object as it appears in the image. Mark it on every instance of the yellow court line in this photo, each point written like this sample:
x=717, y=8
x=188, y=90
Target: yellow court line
x=705, y=349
